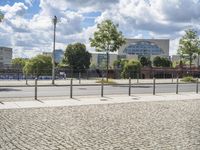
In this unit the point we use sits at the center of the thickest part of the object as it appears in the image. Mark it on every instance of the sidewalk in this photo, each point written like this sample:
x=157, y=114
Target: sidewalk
x=4, y=83
x=93, y=100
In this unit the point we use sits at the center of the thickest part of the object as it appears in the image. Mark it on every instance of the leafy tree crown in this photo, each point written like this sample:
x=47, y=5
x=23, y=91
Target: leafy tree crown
x=107, y=37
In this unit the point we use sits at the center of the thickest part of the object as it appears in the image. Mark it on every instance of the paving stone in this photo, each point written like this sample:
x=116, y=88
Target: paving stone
x=126, y=126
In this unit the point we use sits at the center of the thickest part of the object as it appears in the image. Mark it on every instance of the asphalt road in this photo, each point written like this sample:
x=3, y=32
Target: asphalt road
x=12, y=92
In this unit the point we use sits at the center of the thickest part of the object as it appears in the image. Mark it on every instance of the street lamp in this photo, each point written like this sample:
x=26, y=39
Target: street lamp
x=54, y=20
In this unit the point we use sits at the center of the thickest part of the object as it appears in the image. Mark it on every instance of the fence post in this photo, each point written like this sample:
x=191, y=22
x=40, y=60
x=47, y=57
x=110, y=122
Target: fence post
x=71, y=88
x=197, y=86
x=154, y=85
x=102, y=87
x=172, y=77
x=87, y=74
x=129, y=89
x=79, y=76
x=36, y=88
x=177, y=85
x=26, y=79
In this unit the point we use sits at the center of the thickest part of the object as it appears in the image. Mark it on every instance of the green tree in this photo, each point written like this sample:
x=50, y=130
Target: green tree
x=130, y=69
x=107, y=39
x=76, y=57
x=189, y=45
x=161, y=62
x=119, y=63
x=19, y=62
x=39, y=65
x=145, y=61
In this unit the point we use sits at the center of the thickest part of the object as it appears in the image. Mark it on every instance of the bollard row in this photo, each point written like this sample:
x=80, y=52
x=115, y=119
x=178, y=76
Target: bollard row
x=129, y=87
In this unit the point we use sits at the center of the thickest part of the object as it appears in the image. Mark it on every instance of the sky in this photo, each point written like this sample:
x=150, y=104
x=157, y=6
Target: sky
x=27, y=26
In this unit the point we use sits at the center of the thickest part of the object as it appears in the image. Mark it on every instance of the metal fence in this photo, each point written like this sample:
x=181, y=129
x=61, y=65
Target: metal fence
x=143, y=73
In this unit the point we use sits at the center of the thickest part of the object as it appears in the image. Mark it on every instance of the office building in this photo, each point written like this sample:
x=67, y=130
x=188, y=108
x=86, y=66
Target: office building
x=134, y=49
x=5, y=56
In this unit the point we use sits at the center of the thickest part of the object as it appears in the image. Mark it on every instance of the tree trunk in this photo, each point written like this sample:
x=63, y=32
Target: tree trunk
x=107, y=63
x=198, y=61
x=190, y=62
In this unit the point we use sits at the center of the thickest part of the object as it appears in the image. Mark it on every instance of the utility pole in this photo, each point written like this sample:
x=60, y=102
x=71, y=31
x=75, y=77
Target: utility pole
x=55, y=20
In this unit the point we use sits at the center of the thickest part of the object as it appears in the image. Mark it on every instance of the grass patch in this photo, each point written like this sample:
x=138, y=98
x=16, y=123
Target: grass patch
x=110, y=81
x=188, y=79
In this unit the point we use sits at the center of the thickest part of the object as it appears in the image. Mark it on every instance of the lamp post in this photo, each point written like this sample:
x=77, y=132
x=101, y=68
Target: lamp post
x=55, y=20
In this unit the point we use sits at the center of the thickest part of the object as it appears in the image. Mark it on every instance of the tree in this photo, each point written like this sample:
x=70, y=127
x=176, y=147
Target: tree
x=189, y=45
x=19, y=62
x=107, y=38
x=161, y=62
x=145, y=61
x=39, y=65
x=130, y=69
x=77, y=57
x=119, y=63
x=198, y=54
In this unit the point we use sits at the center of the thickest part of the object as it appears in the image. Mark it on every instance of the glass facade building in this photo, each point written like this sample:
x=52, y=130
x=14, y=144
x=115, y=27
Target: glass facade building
x=134, y=49
x=143, y=48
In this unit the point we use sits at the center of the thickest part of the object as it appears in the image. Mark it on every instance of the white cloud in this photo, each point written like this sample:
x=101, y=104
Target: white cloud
x=18, y=9
x=160, y=18
x=136, y=18
x=36, y=33
x=79, y=5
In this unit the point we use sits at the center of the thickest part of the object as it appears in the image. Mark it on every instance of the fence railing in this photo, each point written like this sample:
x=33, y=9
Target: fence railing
x=143, y=73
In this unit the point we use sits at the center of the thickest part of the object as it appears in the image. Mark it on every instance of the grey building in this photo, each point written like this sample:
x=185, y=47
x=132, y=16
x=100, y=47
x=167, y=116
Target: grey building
x=145, y=47
x=5, y=56
x=133, y=49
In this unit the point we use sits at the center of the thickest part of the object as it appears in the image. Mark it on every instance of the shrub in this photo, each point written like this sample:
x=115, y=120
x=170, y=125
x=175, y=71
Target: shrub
x=188, y=79
x=106, y=82
x=130, y=69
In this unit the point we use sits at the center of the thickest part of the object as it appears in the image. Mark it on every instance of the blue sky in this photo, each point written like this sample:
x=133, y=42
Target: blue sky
x=27, y=26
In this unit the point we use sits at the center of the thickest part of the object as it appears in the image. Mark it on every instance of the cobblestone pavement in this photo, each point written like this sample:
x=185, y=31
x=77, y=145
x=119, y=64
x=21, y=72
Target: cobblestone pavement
x=130, y=126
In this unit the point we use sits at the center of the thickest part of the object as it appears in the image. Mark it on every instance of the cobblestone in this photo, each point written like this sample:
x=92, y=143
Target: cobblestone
x=129, y=126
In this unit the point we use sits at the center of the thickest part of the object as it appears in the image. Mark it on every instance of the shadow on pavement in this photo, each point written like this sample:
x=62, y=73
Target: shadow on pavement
x=8, y=89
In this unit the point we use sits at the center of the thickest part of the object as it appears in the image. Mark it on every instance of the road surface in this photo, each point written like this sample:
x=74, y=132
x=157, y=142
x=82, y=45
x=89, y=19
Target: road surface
x=45, y=91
